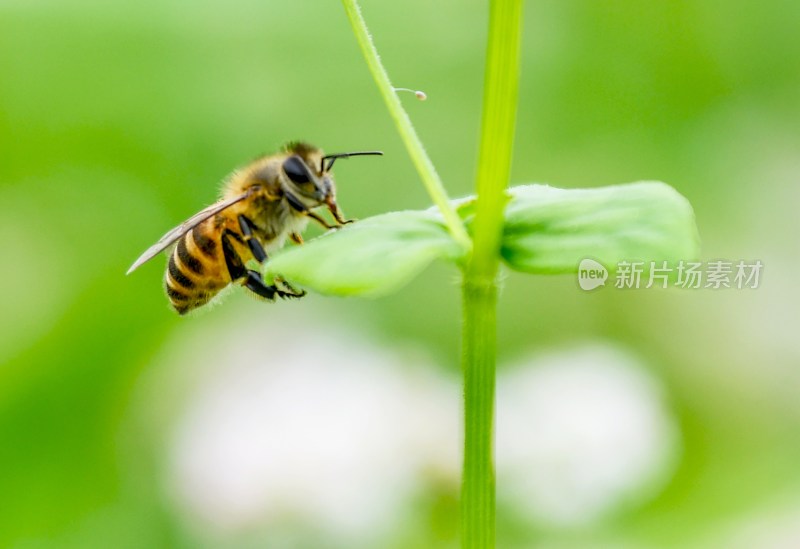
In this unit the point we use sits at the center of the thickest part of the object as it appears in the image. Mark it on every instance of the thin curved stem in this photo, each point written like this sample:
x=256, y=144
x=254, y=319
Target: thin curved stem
x=419, y=157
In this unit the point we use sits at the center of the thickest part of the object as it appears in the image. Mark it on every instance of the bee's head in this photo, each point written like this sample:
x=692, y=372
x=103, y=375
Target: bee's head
x=307, y=174
x=303, y=177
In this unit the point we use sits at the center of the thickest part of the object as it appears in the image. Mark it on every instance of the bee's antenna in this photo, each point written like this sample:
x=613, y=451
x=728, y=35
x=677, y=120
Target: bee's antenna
x=333, y=158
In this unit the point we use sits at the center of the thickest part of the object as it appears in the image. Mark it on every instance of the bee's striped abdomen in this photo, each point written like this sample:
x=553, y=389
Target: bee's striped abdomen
x=205, y=244
x=195, y=271
x=192, y=264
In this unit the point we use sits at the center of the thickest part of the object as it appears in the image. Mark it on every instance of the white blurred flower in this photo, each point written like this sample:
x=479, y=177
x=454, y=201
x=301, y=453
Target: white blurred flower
x=298, y=420
x=579, y=432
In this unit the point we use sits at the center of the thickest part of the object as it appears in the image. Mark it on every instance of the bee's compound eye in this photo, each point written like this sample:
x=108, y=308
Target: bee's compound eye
x=296, y=170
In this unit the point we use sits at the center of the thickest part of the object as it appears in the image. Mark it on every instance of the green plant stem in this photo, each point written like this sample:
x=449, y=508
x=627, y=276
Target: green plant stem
x=417, y=152
x=501, y=83
x=478, y=479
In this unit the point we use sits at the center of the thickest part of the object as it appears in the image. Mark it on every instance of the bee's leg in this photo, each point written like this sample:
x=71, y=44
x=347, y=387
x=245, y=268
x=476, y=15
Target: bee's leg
x=255, y=246
x=321, y=221
x=257, y=285
x=296, y=238
x=251, y=279
x=232, y=260
x=337, y=213
x=295, y=203
x=290, y=291
x=258, y=252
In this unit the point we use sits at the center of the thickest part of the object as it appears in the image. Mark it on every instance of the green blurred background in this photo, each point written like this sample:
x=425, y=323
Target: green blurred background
x=117, y=120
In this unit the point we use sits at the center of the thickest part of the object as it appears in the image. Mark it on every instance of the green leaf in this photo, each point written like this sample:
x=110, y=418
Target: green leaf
x=371, y=257
x=549, y=230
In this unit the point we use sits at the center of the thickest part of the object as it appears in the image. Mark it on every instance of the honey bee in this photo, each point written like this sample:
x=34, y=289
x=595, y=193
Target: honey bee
x=262, y=204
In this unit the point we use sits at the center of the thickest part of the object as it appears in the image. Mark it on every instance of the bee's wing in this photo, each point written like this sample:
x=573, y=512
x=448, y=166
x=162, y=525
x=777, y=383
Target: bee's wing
x=184, y=228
